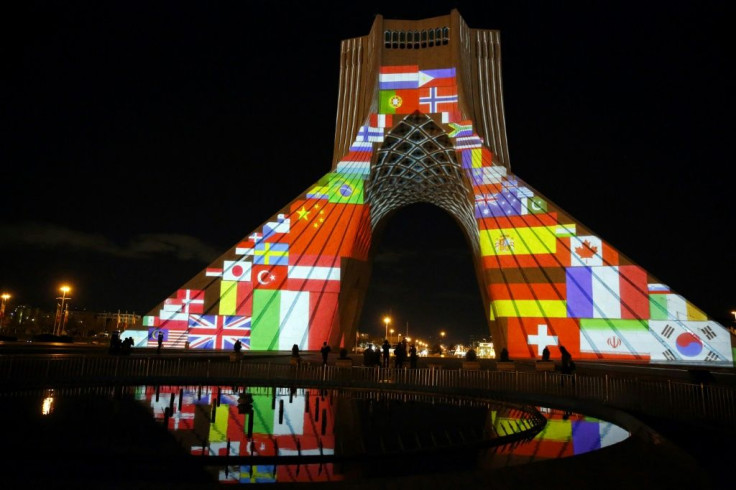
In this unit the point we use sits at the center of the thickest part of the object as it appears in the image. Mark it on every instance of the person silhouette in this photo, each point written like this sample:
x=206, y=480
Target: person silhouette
x=160, y=342
x=368, y=356
x=566, y=364
x=386, y=352
x=325, y=351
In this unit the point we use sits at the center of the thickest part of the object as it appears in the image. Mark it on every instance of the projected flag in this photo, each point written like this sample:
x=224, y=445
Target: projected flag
x=547, y=279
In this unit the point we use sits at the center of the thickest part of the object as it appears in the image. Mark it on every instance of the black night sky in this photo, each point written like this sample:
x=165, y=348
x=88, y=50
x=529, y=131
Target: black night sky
x=140, y=140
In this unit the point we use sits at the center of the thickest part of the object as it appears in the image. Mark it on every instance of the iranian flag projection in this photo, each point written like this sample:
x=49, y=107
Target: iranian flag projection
x=549, y=281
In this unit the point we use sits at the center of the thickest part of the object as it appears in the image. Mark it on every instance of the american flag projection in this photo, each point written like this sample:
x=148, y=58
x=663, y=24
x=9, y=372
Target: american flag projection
x=206, y=420
x=549, y=281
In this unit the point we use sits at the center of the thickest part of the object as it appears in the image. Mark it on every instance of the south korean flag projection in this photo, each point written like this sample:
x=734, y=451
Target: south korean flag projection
x=676, y=340
x=548, y=280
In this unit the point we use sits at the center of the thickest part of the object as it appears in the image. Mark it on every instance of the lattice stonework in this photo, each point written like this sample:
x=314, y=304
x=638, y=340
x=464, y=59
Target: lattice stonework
x=427, y=125
x=417, y=163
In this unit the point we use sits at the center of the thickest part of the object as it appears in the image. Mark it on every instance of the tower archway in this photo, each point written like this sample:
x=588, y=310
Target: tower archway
x=426, y=124
x=417, y=163
x=424, y=278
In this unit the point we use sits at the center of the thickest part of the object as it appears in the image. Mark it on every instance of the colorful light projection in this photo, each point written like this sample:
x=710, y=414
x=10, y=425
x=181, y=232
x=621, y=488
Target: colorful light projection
x=285, y=422
x=565, y=434
x=279, y=286
x=549, y=281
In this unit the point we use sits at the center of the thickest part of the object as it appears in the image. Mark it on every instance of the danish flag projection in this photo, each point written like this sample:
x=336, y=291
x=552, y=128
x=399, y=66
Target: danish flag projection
x=548, y=281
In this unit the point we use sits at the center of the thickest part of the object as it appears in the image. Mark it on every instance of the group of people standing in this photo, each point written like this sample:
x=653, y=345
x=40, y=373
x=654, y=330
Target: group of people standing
x=567, y=365
x=120, y=346
x=382, y=356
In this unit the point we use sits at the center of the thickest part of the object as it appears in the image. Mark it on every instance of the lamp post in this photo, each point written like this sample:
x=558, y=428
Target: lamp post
x=62, y=318
x=5, y=297
x=386, y=320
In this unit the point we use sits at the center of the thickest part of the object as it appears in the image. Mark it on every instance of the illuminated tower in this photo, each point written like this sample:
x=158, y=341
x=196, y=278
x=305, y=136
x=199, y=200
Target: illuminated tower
x=420, y=119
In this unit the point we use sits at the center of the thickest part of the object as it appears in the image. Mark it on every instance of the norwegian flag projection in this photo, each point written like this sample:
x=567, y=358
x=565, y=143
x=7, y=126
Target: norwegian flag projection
x=547, y=280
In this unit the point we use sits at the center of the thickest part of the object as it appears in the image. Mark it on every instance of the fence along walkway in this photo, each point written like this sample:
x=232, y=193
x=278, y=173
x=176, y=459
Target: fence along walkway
x=662, y=398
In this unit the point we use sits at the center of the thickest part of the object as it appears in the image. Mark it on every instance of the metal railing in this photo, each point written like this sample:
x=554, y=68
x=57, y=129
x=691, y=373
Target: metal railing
x=662, y=398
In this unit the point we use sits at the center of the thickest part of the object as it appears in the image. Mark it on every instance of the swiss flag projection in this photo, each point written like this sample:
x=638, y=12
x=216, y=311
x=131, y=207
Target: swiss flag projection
x=527, y=337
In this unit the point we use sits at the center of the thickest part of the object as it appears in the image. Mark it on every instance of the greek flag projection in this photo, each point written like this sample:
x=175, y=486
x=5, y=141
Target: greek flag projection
x=547, y=280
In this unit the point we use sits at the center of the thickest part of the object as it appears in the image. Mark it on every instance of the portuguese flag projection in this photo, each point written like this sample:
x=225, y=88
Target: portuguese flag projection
x=405, y=135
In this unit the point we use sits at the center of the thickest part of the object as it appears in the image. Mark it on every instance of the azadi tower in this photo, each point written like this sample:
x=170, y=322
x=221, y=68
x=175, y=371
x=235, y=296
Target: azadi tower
x=420, y=118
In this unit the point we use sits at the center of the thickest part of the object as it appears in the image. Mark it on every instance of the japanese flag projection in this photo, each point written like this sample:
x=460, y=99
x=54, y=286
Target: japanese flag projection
x=547, y=280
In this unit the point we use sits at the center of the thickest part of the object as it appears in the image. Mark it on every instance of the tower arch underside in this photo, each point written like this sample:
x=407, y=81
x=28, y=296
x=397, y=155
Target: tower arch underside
x=406, y=133
x=417, y=163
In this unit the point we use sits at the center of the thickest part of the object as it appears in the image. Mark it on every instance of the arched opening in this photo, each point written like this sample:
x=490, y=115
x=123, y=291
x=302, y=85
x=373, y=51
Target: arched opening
x=424, y=279
x=424, y=234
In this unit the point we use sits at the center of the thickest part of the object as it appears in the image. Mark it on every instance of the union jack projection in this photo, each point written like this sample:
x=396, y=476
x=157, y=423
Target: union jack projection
x=549, y=281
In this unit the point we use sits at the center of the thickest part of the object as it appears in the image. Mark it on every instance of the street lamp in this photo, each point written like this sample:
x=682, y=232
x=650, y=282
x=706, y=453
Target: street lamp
x=386, y=320
x=5, y=297
x=62, y=320
x=391, y=339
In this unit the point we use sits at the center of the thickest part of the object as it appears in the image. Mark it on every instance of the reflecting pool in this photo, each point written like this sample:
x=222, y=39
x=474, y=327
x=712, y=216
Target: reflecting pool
x=270, y=434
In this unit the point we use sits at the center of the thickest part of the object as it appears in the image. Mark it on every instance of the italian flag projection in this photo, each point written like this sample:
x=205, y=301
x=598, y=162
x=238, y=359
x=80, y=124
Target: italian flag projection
x=548, y=280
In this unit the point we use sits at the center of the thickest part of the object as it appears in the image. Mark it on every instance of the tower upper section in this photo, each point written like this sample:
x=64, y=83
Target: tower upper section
x=431, y=44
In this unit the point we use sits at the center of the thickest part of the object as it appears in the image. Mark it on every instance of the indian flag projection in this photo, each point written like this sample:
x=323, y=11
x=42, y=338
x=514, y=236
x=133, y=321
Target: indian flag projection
x=547, y=280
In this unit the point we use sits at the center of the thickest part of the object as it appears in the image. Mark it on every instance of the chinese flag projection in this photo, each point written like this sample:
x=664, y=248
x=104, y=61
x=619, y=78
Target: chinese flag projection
x=547, y=280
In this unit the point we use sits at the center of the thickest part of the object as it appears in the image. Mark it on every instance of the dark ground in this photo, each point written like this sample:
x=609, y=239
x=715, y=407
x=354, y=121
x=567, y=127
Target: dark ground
x=117, y=444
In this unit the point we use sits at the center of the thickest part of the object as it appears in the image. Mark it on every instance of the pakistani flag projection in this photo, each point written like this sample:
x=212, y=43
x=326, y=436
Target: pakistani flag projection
x=408, y=132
